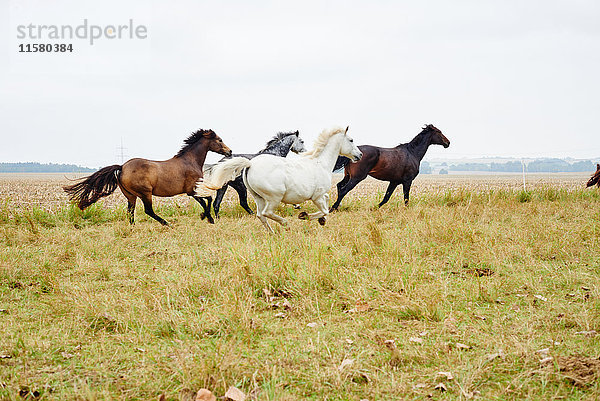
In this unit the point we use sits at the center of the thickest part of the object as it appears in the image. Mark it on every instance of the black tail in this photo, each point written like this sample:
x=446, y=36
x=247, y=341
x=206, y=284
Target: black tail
x=102, y=183
x=340, y=163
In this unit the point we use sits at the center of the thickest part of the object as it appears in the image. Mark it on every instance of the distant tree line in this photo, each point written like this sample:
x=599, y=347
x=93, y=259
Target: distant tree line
x=558, y=166
x=43, y=168
x=536, y=166
x=425, y=168
x=508, y=167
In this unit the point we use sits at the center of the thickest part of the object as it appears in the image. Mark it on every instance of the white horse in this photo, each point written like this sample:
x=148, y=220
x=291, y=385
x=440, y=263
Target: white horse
x=272, y=180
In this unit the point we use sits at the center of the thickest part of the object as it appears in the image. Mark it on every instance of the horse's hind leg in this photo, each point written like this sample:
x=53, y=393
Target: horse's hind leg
x=131, y=200
x=340, y=185
x=343, y=182
x=347, y=187
x=147, y=200
x=390, y=190
x=269, y=211
x=260, y=207
x=131, y=210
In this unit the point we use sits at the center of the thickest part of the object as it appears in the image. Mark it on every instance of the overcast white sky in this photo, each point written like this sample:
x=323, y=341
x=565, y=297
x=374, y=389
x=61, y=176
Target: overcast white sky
x=511, y=78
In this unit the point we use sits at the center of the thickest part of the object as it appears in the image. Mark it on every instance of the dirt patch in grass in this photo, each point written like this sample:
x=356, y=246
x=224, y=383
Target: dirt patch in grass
x=579, y=370
x=480, y=271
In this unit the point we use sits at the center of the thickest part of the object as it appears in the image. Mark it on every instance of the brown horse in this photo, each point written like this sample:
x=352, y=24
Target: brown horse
x=142, y=178
x=399, y=165
x=595, y=180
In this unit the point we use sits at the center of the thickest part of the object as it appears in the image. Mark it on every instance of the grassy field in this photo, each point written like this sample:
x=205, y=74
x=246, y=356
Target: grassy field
x=477, y=290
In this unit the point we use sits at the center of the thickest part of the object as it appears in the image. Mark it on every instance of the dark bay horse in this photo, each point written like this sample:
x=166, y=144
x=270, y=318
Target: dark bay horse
x=399, y=165
x=280, y=145
x=142, y=178
x=595, y=180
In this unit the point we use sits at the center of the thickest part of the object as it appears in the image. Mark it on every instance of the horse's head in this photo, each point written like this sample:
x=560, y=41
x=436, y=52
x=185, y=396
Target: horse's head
x=437, y=138
x=595, y=180
x=298, y=144
x=217, y=145
x=349, y=149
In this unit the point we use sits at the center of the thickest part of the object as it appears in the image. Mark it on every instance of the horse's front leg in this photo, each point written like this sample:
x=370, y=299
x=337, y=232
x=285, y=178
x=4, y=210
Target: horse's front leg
x=219, y=198
x=406, y=188
x=240, y=188
x=206, y=206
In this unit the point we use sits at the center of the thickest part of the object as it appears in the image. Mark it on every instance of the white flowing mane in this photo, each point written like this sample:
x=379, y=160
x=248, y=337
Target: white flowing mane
x=322, y=140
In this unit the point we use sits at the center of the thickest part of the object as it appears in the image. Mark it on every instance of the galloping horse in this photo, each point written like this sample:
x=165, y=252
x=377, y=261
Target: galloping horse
x=595, y=180
x=399, y=165
x=280, y=145
x=142, y=178
x=271, y=179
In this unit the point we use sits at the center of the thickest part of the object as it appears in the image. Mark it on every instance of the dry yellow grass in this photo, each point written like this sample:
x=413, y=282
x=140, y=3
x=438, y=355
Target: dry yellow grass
x=475, y=278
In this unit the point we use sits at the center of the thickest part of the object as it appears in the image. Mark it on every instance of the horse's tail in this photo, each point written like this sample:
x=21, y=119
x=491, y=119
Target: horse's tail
x=207, y=169
x=220, y=174
x=341, y=163
x=87, y=191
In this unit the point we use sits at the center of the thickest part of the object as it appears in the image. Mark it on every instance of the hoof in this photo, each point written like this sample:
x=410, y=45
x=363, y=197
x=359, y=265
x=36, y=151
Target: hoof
x=332, y=210
x=322, y=221
x=297, y=207
x=303, y=216
x=202, y=216
x=211, y=220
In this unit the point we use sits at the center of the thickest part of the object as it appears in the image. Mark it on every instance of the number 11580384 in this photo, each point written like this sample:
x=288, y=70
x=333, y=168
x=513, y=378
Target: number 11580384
x=45, y=48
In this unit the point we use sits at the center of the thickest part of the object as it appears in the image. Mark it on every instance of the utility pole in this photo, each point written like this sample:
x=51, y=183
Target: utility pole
x=121, y=149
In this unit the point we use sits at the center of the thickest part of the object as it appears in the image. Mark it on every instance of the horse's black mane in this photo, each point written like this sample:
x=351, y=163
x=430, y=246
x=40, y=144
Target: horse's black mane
x=278, y=137
x=425, y=129
x=193, y=138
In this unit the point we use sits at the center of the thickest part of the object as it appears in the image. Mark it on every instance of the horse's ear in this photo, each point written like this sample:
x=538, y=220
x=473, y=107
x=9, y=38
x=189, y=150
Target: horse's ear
x=345, y=132
x=598, y=166
x=297, y=133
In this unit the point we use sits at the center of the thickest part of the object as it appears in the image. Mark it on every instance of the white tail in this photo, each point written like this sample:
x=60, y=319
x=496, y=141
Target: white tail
x=220, y=174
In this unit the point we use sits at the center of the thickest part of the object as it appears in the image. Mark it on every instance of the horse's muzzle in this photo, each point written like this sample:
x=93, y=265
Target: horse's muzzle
x=446, y=145
x=356, y=158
